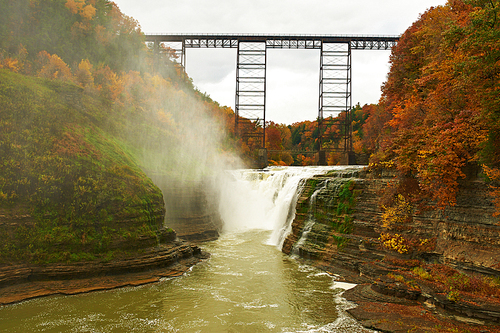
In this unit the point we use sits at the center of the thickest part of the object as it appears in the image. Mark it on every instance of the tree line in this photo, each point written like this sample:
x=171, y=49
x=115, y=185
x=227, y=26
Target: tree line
x=438, y=120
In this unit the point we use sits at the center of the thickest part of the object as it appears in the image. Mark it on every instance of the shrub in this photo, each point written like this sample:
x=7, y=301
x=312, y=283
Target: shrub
x=395, y=242
x=398, y=214
x=422, y=273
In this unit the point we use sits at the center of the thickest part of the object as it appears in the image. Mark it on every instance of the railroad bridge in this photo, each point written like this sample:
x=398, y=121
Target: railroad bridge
x=335, y=80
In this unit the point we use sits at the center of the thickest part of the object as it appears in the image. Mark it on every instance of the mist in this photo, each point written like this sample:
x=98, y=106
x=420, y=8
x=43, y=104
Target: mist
x=150, y=109
x=184, y=146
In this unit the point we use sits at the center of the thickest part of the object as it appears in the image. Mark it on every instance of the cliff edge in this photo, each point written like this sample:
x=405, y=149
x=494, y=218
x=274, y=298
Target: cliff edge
x=427, y=268
x=75, y=205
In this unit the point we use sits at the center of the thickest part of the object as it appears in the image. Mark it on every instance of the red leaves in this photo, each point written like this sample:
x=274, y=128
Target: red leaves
x=73, y=143
x=438, y=98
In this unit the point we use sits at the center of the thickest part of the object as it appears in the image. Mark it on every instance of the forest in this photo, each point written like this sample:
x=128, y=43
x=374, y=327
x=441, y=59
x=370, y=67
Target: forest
x=84, y=102
x=438, y=120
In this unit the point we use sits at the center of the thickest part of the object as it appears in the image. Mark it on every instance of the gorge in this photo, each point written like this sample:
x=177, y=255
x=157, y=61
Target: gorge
x=114, y=174
x=249, y=285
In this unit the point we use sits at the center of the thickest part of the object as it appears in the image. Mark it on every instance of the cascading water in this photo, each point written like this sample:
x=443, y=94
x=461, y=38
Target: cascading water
x=310, y=220
x=246, y=286
x=257, y=199
x=265, y=199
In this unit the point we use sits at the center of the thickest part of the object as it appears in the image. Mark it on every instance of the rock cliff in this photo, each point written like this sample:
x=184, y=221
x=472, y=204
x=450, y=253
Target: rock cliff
x=127, y=255
x=191, y=209
x=25, y=281
x=451, y=261
x=75, y=202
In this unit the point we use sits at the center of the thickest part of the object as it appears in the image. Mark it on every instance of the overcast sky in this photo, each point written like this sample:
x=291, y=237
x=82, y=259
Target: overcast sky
x=292, y=75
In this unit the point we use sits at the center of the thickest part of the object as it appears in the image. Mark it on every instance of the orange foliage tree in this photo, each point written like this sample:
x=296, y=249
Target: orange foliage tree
x=53, y=67
x=441, y=105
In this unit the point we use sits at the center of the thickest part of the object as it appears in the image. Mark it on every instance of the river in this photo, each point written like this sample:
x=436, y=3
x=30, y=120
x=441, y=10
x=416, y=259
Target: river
x=248, y=284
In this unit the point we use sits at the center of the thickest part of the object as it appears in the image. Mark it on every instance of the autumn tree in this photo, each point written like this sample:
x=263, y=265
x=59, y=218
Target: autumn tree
x=74, y=30
x=373, y=130
x=51, y=66
x=441, y=106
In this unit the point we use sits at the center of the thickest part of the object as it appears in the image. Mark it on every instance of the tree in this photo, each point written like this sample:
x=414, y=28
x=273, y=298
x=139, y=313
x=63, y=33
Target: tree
x=53, y=67
x=440, y=101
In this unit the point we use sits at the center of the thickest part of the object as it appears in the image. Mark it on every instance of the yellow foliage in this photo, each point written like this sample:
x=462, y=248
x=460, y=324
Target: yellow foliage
x=166, y=118
x=494, y=175
x=399, y=213
x=53, y=67
x=80, y=7
x=116, y=87
x=73, y=6
x=11, y=64
x=88, y=12
x=394, y=242
x=158, y=81
x=84, y=74
x=382, y=164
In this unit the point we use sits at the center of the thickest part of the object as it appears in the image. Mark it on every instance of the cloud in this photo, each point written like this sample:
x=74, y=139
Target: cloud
x=213, y=70
x=210, y=65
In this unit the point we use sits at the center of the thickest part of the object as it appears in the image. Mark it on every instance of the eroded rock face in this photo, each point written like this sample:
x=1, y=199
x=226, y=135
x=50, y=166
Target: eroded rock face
x=25, y=281
x=466, y=238
x=162, y=256
x=191, y=210
x=467, y=235
x=29, y=237
x=131, y=254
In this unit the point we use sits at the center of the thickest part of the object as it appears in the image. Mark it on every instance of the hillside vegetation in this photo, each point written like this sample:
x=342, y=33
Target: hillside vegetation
x=438, y=121
x=72, y=176
x=87, y=116
x=441, y=105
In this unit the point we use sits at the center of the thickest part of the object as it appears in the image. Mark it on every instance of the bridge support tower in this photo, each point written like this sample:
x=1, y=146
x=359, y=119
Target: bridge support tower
x=335, y=86
x=250, y=102
x=335, y=81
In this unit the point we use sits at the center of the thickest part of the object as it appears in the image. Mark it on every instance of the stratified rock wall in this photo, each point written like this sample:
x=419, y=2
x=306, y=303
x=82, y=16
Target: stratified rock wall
x=25, y=281
x=464, y=239
x=467, y=235
x=160, y=257
x=191, y=209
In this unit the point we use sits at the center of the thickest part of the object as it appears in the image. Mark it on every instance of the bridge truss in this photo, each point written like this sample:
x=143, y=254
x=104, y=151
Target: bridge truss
x=335, y=82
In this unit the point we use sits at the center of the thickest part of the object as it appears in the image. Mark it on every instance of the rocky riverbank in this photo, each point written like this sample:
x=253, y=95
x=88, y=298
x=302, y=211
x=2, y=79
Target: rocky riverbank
x=191, y=209
x=22, y=282
x=445, y=279
x=131, y=255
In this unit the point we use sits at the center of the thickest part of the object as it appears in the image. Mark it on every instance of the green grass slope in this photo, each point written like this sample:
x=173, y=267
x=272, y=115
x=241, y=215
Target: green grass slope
x=69, y=189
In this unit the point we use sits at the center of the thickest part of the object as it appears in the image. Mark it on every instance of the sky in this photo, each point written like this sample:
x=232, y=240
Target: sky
x=292, y=85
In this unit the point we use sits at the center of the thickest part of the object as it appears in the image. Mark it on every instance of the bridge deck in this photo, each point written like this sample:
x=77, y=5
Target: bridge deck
x=357, y=42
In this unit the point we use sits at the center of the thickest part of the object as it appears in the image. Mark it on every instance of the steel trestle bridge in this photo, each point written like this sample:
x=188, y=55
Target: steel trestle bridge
x=335, y=81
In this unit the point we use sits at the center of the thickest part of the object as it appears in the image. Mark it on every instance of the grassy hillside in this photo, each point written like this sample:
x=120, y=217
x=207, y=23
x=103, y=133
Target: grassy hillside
x=69, y=188
x=86, y=109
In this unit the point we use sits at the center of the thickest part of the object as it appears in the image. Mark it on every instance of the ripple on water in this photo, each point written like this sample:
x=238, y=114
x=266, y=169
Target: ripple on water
x=255, y=288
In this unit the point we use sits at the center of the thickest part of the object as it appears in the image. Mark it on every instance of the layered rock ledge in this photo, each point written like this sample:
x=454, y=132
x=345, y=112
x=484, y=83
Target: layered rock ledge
x=22, y=282
x=191, y=209
x=400, y=292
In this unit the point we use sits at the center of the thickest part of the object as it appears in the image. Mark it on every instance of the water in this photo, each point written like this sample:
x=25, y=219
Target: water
x=266, y=199
x=248, y=285
x=310, y=220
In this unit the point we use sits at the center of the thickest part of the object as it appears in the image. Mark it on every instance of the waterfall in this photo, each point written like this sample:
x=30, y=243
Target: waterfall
x=310, y=219
x=264, y=199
